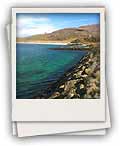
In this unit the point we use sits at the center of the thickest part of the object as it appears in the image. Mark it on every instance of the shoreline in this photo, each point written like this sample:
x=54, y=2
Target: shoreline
x=52, y=43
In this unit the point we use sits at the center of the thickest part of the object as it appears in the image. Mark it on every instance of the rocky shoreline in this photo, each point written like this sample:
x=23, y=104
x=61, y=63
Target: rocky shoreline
x=80, y=82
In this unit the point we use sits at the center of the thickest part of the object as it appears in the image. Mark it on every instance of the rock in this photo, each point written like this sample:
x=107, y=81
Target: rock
x=71, y=93
x=56, y=94
x=84, y=76
x=89, y=90
x=92, y=81
x=77, y=75
x=97, y=74
x=83, y=67
x=62, y=86
x=88, y=71
x=82, y=86
x=79, y=66
x=88, y=96
x=93, y=65
x=69, y=78
x=91, y=55
x=81, y=80
x=69, y=84
x=94, y=87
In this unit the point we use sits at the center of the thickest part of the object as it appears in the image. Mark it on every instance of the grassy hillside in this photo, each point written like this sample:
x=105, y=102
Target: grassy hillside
x=83, y=33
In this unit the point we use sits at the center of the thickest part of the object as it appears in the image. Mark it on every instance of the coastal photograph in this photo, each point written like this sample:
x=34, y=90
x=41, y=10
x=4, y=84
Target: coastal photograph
x=58, y=56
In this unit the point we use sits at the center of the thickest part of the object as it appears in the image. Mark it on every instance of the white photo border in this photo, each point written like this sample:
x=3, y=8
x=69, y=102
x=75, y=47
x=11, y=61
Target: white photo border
x=59, y=109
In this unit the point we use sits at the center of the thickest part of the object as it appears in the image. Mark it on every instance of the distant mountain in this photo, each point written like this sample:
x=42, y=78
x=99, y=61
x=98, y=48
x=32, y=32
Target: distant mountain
x=91, y=28
x=66, y=34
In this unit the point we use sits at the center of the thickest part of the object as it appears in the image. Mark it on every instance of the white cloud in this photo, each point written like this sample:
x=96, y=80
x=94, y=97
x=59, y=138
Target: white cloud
x=24, y=32
x=27, y=26
x=30, y=20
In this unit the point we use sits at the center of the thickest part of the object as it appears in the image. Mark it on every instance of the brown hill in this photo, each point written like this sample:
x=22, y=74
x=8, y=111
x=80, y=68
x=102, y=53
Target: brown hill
x=66, y=35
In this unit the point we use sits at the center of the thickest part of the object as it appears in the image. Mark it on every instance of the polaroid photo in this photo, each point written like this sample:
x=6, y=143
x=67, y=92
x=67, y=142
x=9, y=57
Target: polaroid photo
x=58, y=64
x=90, y=132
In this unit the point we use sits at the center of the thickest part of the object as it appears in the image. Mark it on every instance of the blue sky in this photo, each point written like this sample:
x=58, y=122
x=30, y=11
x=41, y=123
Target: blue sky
x=31, y=24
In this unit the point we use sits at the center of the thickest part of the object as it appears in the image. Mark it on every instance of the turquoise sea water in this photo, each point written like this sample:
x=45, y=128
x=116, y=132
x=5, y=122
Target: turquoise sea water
x=38, y=66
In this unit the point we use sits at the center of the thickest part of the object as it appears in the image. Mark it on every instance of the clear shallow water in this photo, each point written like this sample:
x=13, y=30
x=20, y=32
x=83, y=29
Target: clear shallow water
x=38, y=66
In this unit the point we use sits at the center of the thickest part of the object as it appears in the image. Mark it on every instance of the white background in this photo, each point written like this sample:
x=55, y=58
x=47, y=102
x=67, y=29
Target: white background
x=112, y=73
